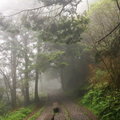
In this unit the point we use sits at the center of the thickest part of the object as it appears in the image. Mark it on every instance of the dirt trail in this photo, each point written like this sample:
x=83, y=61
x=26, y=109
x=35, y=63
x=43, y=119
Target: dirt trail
x=68, y=111
x=46, y=114
x=61, y=115
x=78, y=112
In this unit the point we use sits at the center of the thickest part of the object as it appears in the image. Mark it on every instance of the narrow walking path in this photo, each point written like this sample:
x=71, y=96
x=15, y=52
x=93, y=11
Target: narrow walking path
x=67, y=111
x=78, y=112
x=46, y=114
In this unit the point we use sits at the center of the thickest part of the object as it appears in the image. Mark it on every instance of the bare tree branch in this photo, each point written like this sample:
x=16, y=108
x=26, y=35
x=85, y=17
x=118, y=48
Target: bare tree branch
x=38, y=8
x=27, y=10
x=116, y=27
x=60, y=11
x=118, y=4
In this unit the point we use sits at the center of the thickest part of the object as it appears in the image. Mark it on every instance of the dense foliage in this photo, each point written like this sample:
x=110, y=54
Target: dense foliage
x=103, y=96
x=36, y=115
x=80, y=50
x=19, y=114
x=66, y=30
x=104, y=101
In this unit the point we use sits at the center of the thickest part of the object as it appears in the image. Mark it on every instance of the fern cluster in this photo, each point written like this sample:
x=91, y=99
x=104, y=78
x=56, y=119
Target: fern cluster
x=105, y=103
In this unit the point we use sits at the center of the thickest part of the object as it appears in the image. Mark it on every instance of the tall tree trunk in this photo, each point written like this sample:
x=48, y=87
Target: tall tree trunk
x=41, y=85
x=13, y=71
x=7, y=88
x=88, y=4
x=37, y=74
x=7, y=84
x=27, y=98
x=36, y=86
x=62, y=79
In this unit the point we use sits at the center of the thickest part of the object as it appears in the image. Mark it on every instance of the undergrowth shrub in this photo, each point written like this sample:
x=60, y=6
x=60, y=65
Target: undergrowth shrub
x=3, y=108
x=104, y=102
x=19, y=114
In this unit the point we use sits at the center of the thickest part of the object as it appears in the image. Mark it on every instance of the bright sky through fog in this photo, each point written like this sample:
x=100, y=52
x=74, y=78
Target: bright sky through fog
x=11, y=6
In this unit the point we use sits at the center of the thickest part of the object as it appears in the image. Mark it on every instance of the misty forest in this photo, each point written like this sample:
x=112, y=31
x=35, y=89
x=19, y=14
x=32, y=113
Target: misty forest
x=57, y=63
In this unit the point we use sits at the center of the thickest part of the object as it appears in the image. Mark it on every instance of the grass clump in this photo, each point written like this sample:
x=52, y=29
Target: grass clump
x=19, y=114
x=37, y=114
